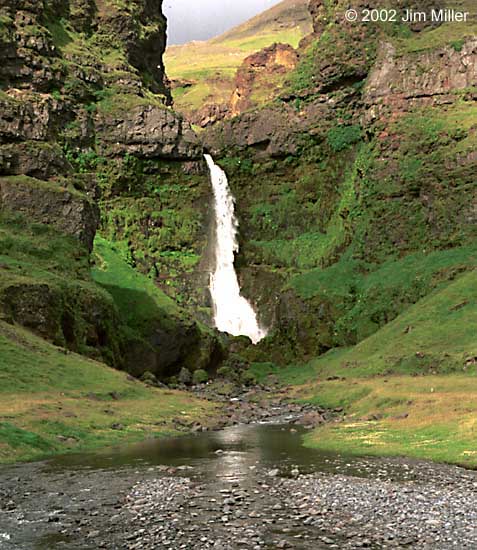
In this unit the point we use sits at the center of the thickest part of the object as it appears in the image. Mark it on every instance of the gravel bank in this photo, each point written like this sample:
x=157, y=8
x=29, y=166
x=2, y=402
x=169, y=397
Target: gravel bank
x=399, y=505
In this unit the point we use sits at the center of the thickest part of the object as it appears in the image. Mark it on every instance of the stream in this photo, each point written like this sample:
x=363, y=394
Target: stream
x=247, y=486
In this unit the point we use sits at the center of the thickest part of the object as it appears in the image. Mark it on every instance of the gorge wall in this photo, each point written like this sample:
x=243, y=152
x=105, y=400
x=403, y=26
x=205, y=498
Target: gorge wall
x=88, y=142
x=367, y=200
x=354, y=182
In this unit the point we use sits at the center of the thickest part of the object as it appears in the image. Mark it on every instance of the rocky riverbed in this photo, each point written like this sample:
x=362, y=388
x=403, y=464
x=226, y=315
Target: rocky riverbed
x=246, y=486
x=431, y=507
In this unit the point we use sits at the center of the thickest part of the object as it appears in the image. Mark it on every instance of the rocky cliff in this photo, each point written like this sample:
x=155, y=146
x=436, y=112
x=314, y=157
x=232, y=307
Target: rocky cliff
x=261, y=76
x=88, y=142
x=367, y=198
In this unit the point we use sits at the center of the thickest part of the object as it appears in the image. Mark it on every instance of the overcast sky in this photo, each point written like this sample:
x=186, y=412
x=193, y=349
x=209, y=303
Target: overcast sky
x=203, y=19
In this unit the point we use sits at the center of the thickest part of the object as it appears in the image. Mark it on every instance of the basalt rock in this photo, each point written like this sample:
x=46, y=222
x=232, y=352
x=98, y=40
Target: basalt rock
x=141, y=29
x=40, y=160
x=70, y=212
x=29, y=116
x=147, y=131
x=399, y=83
x=79, y=318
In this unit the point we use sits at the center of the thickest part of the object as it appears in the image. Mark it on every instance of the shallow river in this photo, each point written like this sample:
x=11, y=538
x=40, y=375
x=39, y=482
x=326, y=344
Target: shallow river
x=248, y=486
x=231, y=454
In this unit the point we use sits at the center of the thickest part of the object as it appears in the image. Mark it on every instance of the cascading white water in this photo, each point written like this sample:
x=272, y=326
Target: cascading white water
x=232, y=312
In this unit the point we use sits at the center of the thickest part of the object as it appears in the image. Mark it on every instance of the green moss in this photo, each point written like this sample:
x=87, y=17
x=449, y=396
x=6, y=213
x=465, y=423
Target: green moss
x=341, y=137
x=458, y=45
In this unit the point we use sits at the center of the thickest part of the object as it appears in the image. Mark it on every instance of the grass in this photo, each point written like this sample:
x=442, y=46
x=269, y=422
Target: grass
x=447, y=34
x=52, y=401
x=138, y=299
x=36, y=250
x=431, y=417
x=409, y=389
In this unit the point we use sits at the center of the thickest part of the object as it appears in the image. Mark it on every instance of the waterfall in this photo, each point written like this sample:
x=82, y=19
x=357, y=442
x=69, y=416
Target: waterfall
x=232, y=312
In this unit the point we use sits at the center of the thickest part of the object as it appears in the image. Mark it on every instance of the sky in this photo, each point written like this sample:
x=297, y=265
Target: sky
x=202, y=19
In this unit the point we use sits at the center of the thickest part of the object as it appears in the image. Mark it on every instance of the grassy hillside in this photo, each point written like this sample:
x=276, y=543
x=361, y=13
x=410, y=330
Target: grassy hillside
x=210, y=67
x=55, y=401
x=409, y=389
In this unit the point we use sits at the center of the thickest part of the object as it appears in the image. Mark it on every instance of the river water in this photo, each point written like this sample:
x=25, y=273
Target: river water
x=247, y=486
x=230, y=454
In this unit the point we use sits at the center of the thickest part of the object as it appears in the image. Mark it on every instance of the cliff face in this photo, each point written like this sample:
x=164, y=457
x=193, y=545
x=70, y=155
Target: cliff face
x=365, y=162
x=261, y=77
x=34, y=39
x=88, y=141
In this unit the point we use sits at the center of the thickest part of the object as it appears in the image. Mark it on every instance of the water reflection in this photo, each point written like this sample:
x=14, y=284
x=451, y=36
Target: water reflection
x=231, y=454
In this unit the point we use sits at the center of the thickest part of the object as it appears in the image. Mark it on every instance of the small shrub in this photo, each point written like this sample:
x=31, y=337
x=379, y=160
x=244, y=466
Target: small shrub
x=247, y=378
x=200, y=376
x=185, y=376
x=226, y=373
x=457, y=45
x=149, y=378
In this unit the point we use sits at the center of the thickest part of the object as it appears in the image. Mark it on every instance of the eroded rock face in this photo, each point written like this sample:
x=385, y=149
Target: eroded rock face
x=276, y=131
x=28, y=116
x=39, y=160
x=170, y=348
x=398, y=83
x=70, y=212
x=28, y=56
x=143, y=36
x=147, y=131
x=261, y=73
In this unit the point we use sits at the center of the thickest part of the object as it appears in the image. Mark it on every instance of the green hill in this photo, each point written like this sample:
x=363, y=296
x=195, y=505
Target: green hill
x=203, y=73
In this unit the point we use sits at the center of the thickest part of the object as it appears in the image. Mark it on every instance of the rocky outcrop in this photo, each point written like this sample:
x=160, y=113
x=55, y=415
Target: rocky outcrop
x=83, y=319
x=171, y=347
x=53, y=82
x=147, y=131
x=261, y=75
x=40, y=160
x=70, y=212
x=28, y=56
x=398, y=83
x=29, y=116
x=275, y=131
x=141, y=30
